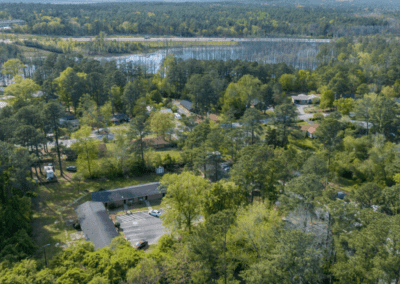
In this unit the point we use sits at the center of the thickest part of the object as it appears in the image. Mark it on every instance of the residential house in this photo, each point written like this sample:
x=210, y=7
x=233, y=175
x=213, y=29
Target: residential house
x=156, y=142
x=186, y=104
x=70, y=119
x=309, y=129
x=96, y=223
x=303, y=99
x=119, y=118
x=129, y=194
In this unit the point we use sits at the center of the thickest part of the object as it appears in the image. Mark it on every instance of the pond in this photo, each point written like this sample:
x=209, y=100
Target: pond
x=301, y=55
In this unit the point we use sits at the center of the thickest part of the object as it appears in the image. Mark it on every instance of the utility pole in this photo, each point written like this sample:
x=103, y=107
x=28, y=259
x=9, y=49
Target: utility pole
x=44, y=250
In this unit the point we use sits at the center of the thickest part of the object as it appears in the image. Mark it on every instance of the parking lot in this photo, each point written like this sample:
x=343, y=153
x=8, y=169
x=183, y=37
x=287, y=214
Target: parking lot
x=141, y=226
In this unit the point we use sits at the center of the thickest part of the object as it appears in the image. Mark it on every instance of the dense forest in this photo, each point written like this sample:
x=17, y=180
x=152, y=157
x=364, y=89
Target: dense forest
x=193, y=19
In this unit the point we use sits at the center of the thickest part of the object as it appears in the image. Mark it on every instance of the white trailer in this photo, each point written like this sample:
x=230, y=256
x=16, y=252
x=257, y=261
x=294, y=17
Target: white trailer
x=49, y=170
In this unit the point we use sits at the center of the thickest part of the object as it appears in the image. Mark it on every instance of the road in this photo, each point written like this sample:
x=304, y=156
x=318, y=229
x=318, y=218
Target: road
x=191, y=39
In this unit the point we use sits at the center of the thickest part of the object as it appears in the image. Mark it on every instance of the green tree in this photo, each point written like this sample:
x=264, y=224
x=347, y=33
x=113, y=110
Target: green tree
x=161, y=123
x=12, y=67
x=86, y=148
x=345, y=106
x=251, y=123
x=223, y=195
x=363, y=109
x=327, y=99
x=327, y=134
x=52, y=112
x=146, y=272
x=288, y=82
x=139, y=129
x=183, y=200
x=284, y=119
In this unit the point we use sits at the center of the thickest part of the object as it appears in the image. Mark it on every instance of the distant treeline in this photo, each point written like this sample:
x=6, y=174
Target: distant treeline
x=184, y=19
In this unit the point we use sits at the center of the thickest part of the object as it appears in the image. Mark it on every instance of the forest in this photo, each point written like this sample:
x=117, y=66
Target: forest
x=195, y=19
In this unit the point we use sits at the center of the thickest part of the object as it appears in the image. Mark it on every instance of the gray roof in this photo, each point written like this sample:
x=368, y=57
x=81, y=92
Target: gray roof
x=186, y=104
x=96, y=224
x=128, y=192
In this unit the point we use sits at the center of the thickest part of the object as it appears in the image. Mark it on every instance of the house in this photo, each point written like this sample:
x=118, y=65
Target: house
x=96, y=223
x=70, y=119
x=119, y=118
x=303, y=99
x=38, y=94
x=156, y=142
x=129, y=194
x=166, y=110
x=309, y=129
x=186, y=104
x=3, y=104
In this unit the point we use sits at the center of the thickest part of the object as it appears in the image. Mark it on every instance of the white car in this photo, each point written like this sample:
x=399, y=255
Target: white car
x=155, y=213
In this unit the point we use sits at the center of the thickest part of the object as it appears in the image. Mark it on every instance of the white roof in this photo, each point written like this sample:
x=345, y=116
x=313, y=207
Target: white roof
x=3, y=104
x=166, y=110
x=303, y=97
x=37, y=94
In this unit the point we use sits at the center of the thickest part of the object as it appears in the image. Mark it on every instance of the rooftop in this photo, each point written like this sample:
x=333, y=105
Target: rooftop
x=303, y=97
x=96, y=224
x=186, y=104
x=310, y=128
x=128, y=192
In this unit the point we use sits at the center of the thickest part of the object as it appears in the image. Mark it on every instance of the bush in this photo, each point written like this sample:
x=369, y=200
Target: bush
x=112, y=206
x=117, y=224
x=174, y=108
x=318, y=116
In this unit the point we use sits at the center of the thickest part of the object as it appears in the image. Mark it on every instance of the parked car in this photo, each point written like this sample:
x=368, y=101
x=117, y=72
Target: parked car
x=72, y=169
x=155, y=213
x=140, y=244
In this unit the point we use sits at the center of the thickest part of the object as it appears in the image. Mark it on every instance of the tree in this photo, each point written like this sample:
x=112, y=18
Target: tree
x=327, y=99
x=327, y=134
x=146, y=272
x=239, y=95
x=363, y=109
x=12, y=67
x=285, y=117
x=139, y=129
x=345, y=106
x=88, y=111
x=132, y=92
x=223, y=195
x=106, y=113
x=86, y=147
x=251, y=123
x=183, y=200
x=161, y=123
x=52, y=112
x=288, y=82
x=368, y=194
x=209, y=244
x=22, y=89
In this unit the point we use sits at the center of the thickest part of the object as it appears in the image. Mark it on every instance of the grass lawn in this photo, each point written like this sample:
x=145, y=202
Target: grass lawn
x=156, y=204
x=304, y=143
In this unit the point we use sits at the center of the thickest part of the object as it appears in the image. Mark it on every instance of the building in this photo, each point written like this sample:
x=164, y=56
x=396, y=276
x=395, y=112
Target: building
x=303, y=99
x=3, y=104
x=119, y=118
x=309, y=129
x=96, y=223
x=166, y=110
x=186, y=104
x=70, y=119
x=156, y=142
x=129, y=194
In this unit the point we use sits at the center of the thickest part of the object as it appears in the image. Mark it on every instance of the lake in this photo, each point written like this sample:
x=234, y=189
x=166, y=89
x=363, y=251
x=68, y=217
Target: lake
x=301, y=55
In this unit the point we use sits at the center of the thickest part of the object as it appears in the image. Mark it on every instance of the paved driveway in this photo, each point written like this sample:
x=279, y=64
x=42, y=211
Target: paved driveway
x=141, y=226
x=306, y=116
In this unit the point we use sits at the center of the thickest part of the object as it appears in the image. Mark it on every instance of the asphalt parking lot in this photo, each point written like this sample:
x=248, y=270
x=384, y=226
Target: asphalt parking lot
x=141, y=226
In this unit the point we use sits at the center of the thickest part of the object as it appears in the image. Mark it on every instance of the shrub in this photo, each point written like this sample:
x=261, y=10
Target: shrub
x=117, y=224
x=112, y=206
x=318, y=116
x=174, y=108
